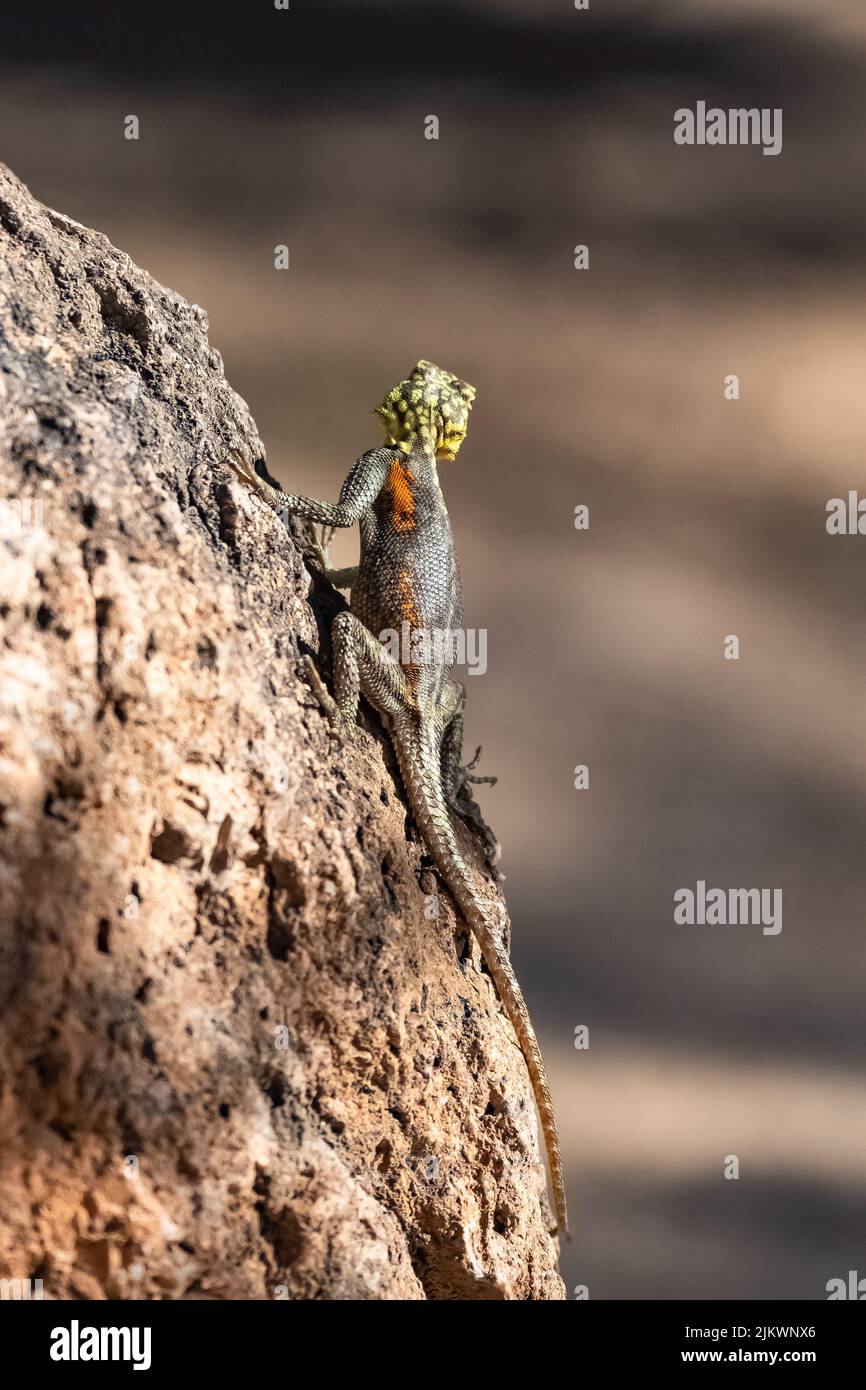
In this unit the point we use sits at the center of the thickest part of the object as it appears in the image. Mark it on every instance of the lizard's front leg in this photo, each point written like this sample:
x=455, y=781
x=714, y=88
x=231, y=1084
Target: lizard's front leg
x=362, y=486
x=246, y=473
x=345, y=578
x=317, y=557
x=315, y=552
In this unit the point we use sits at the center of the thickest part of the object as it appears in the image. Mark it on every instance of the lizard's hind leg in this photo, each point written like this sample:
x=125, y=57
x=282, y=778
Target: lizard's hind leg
x=454, y=776
x=361, y=666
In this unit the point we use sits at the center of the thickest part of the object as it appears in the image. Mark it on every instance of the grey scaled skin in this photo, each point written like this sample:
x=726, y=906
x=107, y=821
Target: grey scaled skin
x=408, y=575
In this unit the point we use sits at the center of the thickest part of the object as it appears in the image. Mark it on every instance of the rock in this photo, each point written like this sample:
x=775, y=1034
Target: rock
x=237, y=1059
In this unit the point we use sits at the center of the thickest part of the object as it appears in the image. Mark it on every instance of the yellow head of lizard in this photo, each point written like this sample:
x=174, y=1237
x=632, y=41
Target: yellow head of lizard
x=430, y=409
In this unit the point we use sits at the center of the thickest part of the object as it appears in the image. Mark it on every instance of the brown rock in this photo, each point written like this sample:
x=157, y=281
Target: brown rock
x=237, y=1061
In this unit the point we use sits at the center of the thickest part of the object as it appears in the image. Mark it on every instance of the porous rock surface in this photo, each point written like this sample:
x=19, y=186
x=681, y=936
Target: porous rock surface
x=240, y=1057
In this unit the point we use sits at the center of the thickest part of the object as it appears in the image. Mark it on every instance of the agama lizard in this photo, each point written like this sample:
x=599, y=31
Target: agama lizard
x=408, y=574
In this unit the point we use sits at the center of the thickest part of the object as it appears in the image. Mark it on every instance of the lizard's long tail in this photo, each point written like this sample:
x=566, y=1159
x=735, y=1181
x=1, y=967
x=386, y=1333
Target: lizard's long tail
x=418, y=757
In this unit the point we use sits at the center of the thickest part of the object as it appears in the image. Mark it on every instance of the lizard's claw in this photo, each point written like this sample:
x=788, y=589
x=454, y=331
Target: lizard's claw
x=466, y=772
x=457, y=796
x=341, y=728
x=316, y=556
x=242, y=469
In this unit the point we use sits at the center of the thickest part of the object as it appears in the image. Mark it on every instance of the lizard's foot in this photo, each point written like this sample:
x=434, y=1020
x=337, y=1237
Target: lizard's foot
x=466, y=771
x=342, y=729
x=464, y=780
x=248, y=473
x=242, y=468
x=316, y=556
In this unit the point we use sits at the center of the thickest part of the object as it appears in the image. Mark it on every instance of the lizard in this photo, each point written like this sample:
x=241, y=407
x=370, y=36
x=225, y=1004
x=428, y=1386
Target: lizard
x=408, y=574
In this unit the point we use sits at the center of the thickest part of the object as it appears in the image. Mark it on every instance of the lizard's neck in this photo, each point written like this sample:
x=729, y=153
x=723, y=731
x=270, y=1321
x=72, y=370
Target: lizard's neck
x=422, y=463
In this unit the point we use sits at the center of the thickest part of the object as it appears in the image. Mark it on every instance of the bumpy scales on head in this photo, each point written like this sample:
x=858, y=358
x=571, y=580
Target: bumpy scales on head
x=429, y=409
x=407, y=582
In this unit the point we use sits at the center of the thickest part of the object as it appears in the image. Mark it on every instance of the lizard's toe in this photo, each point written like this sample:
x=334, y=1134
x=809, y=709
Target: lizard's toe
x=317, y=558
x=345, y=732
x=457, y=795
x=343, y=729
x=240, y=467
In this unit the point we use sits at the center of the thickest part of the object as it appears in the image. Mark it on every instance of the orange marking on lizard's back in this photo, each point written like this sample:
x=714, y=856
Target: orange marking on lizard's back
x=409, y=613
x=406, y=600
x=401, y=502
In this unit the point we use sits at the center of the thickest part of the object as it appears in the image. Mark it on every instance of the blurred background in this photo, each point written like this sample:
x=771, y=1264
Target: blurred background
x=601, y=387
